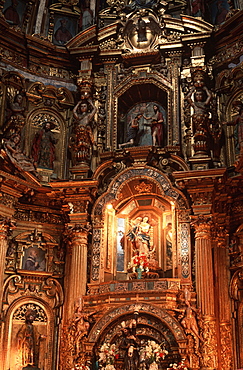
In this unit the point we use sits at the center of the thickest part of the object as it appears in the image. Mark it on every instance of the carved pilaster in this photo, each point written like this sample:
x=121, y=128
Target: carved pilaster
x=5, y=229
x=221, y=263
x=76, y=269
x=184, y=242
x=110, y=71
x=174, y=66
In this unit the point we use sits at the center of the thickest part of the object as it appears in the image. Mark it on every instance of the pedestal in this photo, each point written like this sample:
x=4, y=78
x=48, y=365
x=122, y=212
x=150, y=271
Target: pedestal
x=200, y=162
x=80, y=172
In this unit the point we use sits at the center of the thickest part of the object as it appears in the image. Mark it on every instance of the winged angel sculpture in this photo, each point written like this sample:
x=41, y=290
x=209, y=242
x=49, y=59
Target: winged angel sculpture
x=140, y=32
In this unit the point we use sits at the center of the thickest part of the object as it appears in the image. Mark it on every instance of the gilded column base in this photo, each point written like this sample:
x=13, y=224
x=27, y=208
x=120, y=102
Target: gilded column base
x=226, y=346
x=209, y=345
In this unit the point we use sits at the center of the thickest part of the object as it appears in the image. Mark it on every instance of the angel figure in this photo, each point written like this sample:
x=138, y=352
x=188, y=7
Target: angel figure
x=81, y=324
x=189, y=321
x=15, y=116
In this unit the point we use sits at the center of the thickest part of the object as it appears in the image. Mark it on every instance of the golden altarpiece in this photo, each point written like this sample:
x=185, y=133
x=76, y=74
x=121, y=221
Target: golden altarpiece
x=121, y=226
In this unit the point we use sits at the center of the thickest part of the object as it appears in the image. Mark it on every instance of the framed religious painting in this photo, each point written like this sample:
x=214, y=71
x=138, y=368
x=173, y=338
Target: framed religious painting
x=13, y=11
x=218, y=10
x=65, y=28
x=34, y=259
x=143, y=125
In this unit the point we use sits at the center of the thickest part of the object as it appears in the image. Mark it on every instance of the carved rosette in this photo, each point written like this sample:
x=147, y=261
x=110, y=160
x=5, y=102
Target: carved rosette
x=226, y=346
x=209, y=344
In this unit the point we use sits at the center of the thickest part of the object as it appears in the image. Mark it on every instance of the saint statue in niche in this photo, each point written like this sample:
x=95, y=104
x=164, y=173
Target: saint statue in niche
x=87, y=15
x=43, y=148
x=140, y=235
x=28, y=341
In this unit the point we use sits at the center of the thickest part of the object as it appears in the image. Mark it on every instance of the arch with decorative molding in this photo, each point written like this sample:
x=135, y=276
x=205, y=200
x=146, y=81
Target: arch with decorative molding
x=114, y=196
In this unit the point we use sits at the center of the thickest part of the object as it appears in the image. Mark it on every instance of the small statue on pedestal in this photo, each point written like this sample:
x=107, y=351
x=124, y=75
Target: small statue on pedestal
x=82, y=140
x=200, y=117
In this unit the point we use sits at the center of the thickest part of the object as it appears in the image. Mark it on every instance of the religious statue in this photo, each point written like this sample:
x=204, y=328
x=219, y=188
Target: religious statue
x=17, y=157
x=168, y=237
x=200, y=118
x=28, y=341
x=43, y=148
x=132, y=131
x=80, y=326
x=86, y=17
x=82, y=140
x=130, y=344
x=188, y=320
x=140, y=235
x=15, y=116
x=141, y=28
x=156, y=124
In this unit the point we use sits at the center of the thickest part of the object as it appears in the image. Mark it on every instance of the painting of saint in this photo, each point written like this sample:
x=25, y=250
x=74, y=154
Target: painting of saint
x=13, y=11
x=219, y=10
x=64, y=30
x=34, y=259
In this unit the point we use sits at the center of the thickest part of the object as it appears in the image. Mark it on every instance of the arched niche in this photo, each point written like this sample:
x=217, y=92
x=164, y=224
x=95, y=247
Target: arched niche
x=139, y=95
x=36, y=121
x=153, y=323
x=139, y=193
x=44, y=326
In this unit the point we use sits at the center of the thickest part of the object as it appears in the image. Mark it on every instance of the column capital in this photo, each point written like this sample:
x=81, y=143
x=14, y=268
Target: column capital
x=6, y=227
x=202, y=225
x=77, y=234
x=220, y=235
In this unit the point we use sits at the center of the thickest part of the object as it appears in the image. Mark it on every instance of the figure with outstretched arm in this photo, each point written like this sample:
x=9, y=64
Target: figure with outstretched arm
x=156, y=124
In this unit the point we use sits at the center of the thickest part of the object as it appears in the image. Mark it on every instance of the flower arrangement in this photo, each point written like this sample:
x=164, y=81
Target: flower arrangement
x=180, y=366
x=139, y=261
x=107, y=356
x=153, y=352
